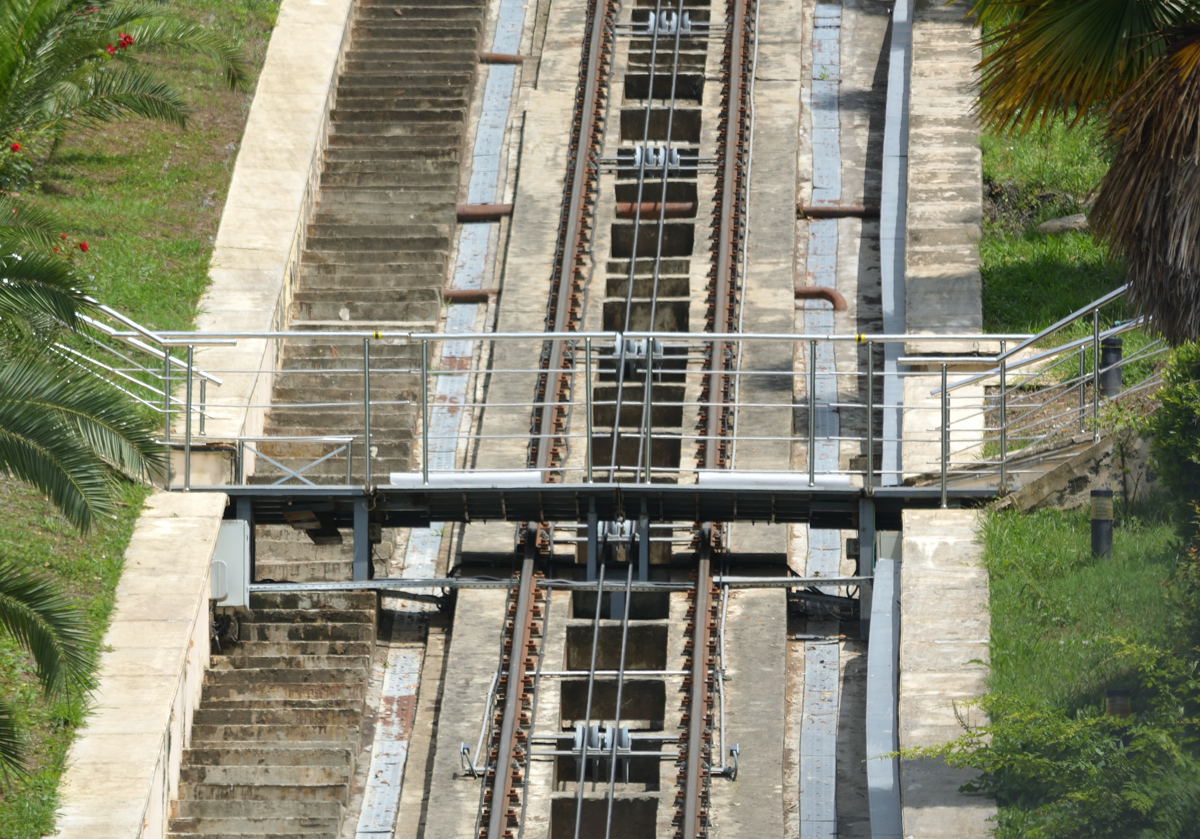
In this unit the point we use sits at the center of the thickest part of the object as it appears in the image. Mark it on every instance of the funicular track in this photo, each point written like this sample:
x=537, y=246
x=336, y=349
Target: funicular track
x=657, y=172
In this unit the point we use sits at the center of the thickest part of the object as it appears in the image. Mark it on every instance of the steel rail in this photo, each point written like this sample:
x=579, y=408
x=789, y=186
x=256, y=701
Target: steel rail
x=694, y=823
x=522, y=618
x=723, y=301
x=565, y=286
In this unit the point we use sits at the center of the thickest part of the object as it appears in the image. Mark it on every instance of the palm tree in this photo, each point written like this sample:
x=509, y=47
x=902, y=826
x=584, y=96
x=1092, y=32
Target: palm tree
x=1134, y=64
x=64, y=432
x=70, y=63
x=36, y=613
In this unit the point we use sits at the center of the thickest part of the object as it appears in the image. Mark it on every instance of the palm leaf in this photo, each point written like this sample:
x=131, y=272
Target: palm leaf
x=1063, y=58
x=1148, y=206
x=35, y=287
x=12, y=744
x=36, y=613
x=69, y=437
x=23, y=223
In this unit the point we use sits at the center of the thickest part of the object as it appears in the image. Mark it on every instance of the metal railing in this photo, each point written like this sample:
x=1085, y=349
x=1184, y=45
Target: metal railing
x=408, y=409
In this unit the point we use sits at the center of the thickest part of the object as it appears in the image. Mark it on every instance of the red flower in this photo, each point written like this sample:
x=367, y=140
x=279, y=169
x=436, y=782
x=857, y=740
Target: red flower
x=111, y=49
x=15, y=147
x=63, y=235
x=56, y=250
x=83, y=246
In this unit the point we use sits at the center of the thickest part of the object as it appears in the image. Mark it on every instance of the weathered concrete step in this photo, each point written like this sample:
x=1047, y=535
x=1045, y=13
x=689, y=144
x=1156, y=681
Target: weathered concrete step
x=450, y=46
x=293, y=615
x=308, y=632
x=340, y=154
x=400, y=257
x=383, y=244
x=395, y=200
x=347, y=350
x=407, y=164
x=256, y=702
x=354, y=293
x=399, y=310
x=387, y=229
x=387, y=11
x=413, y=63
x=283, y=677
x=440, y=133
x=270, y=754
x=259, y=810
x=308, y=572
x=275, y=716
x=353, y=600
x=259, y=827
x=331, y=734
x=411, y=115
x=284, y=694
x=368, y=31
x=300, y=774
x=360, y=278
x=388, y=179
x=266, y=648
x=288, y=662
x=254, y=791
x=288, y=394
x=389, y=422
x=455, y=84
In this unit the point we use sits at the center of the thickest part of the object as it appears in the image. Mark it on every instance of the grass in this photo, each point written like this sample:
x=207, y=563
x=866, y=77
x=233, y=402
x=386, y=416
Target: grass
x=1054, y=607
x=147, y=199
x=1032, y=279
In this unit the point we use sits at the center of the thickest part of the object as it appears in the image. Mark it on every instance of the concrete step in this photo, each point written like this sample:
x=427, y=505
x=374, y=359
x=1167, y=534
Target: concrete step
x=308, y=572
x=289, y=662
x=282, y=791
x=251, y=649
x=439, y=134
x=432, y=155
x=278, y=632
x=319, y=240
x=403, y=164
x=332, y=734
x=282, y=677
x=376, y=44
x=415, y=63
x=283, y=695
x=352, y=600
x=302, y=774
x=358, y=279
x=375, y=179
x=259, y=827
x=330, y=615
x=276, y=716
x=258, y=810
x=381, y=258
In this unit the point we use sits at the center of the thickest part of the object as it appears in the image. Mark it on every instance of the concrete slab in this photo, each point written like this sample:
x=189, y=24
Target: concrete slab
x=944, y=619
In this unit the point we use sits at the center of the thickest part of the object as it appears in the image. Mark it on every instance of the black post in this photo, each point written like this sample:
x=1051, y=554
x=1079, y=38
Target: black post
x=1102, y=523
x=1110, y=367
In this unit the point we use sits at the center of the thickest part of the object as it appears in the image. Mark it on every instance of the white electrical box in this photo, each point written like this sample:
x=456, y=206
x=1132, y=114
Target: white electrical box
x=229, y=578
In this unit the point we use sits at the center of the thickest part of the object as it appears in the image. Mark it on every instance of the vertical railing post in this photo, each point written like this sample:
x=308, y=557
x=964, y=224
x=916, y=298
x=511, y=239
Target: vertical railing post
x=1082, y=389
x=187, y=424
x=812, y=413
x=366, y=411
x=241, y=462
x=869, y=481
x=203, y=402
x=587, y=387
x=1096, y=376
x=425, y=410
x=1003, y=424
x=945, y=432
x=647, y=423
x=167, y=399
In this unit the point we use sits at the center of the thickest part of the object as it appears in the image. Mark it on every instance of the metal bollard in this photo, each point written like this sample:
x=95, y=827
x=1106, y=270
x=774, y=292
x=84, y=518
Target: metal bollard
x=1102, y=523
x=1110, y=367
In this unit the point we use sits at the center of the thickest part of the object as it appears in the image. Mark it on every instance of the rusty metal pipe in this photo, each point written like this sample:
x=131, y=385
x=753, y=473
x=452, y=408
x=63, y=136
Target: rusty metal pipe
x=652, y=209
x=840, y=211
x=482, y=212
x=468, y=295
x=500, y=58
x=816, y=292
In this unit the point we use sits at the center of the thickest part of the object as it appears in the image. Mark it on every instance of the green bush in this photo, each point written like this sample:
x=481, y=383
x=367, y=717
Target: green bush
x=1175, y=431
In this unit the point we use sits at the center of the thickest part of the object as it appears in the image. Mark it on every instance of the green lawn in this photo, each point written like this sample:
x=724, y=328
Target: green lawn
x=1032, y=279
x=147, y=199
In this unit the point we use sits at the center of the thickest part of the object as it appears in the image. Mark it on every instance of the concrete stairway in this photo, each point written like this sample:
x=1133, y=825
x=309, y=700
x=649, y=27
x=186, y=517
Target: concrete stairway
x=273, y=743
x=377, y=250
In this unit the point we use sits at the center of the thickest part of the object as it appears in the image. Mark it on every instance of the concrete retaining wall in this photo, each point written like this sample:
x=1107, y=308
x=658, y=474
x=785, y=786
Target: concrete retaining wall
x=123, y=769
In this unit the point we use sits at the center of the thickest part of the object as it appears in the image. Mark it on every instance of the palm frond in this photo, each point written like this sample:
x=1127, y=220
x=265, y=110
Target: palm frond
x=69, y=436
x=1063, y=58
x=1148, y=206
x=125, y=91
x=39, y=616
x=12, y=743
x=38, y=290
x=23, y=223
